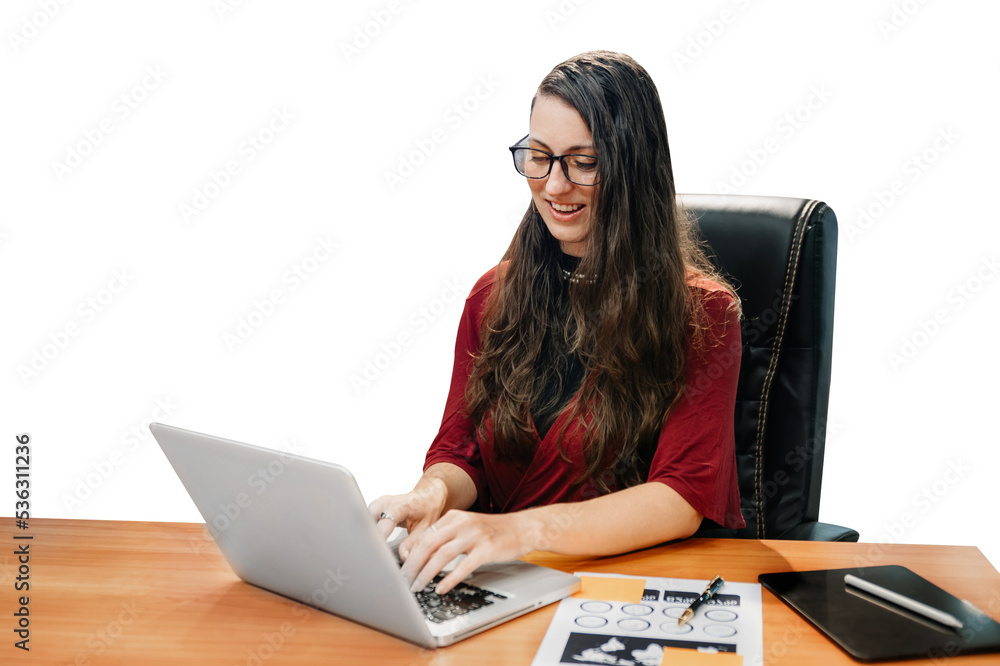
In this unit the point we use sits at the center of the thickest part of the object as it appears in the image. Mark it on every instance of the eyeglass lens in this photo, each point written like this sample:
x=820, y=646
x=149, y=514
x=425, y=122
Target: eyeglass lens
x=579, y=169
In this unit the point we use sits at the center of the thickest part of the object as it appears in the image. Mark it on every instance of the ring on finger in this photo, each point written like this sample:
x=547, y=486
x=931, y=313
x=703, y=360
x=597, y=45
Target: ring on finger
x=386, y=516
x=433, y=528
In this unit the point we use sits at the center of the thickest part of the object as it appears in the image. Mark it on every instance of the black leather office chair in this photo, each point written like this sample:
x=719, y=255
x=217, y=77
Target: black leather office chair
x=781, y=254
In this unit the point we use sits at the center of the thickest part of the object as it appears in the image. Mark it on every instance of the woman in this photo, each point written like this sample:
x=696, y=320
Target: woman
x=574, y=423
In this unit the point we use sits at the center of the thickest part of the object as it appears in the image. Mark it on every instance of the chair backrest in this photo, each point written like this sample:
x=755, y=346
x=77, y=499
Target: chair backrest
x=781, y=254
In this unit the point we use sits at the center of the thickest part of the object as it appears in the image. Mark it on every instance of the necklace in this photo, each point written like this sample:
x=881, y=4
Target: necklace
x=574, y=277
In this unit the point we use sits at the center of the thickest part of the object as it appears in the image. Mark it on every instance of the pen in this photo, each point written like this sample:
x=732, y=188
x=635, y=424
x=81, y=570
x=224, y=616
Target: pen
x=905, y=602
x=710, y=591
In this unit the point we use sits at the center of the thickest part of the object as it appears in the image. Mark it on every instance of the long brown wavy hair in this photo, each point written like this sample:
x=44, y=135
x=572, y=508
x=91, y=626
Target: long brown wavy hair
x=629, y=320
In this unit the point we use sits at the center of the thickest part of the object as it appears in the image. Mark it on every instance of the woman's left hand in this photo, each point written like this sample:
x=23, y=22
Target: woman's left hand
x=482, y=538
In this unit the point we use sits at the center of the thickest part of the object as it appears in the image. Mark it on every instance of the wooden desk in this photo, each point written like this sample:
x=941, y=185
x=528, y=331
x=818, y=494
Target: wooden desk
x=108, y=592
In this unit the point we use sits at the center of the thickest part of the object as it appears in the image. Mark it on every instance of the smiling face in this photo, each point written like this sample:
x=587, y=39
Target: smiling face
x=565, y=207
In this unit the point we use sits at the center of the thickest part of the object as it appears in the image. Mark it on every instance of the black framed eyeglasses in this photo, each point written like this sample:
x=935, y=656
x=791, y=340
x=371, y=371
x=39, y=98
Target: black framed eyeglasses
x=536, y=163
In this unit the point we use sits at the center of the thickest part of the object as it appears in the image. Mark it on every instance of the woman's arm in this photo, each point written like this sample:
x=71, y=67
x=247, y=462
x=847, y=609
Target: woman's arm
x=459, y=488
x=443, y=487
x=626, y=520
x=622, y=521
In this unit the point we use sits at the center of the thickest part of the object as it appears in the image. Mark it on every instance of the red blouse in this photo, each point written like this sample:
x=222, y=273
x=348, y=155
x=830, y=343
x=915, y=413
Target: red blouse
x=695, y=455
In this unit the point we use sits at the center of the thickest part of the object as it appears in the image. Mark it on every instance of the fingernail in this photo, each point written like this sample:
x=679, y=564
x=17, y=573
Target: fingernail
x=416, y=588
x=404, y=552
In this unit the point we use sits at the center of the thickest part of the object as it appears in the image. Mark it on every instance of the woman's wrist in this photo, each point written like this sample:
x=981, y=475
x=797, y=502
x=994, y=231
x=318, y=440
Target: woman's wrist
x=433, y=491
x=453, y=484
x=536, y=527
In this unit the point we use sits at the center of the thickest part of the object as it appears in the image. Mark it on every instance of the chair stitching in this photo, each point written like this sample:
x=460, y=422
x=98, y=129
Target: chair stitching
x=790, y=272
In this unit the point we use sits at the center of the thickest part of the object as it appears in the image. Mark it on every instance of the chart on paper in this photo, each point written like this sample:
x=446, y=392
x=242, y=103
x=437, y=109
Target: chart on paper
x=636, y=625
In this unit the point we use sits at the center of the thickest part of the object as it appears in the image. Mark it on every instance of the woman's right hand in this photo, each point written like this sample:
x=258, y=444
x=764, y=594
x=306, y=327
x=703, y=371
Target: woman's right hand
x=416, y=510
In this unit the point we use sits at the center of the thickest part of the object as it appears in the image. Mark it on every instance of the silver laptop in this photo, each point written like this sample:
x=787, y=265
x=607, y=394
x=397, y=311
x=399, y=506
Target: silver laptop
x=300, y=527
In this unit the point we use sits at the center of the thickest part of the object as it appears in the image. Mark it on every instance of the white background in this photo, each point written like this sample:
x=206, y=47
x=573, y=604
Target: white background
x=912, y=453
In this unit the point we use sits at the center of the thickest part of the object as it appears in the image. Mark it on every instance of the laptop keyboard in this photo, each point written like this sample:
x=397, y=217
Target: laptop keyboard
x=462, y=599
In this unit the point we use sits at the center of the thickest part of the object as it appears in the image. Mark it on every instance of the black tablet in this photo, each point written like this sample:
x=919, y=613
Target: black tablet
x=871, y=629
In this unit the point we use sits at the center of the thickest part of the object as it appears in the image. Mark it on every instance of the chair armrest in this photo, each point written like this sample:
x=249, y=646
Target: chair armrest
x=816, y=531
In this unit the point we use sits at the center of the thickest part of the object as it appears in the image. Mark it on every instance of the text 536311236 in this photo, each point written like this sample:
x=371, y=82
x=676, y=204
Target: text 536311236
x=22, y=512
